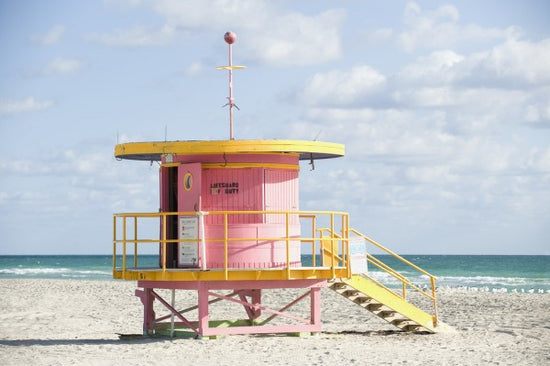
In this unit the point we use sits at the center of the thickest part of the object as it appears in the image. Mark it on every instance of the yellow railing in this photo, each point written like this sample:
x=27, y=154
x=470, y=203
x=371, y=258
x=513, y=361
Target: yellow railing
x=330, y=243
x=405, y=282
x=129, y=235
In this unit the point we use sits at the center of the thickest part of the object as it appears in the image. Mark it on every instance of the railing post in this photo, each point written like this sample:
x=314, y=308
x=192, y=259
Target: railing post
x=135, y=241
x=123, y=246
x=313, y=248
x=114, y=243
x=225, y=248
x=345, y=236
x=332, y=257
x=287, y=240
x=164, y=242
x=203, y=240
x=435, y=320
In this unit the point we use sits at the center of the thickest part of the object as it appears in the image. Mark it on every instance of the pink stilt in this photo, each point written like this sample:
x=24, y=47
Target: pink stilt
x=203, y=308
x=147, y=300
x=316, y=308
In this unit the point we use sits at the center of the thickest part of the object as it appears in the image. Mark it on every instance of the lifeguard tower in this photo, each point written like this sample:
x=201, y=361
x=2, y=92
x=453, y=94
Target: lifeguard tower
x=230, y=228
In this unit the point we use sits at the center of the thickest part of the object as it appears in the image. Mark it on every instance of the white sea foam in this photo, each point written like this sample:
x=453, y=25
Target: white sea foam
x=52, y=272
x=472, y=283
x=30, y=271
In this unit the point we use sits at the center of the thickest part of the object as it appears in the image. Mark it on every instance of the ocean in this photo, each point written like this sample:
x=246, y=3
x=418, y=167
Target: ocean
x=484, y=272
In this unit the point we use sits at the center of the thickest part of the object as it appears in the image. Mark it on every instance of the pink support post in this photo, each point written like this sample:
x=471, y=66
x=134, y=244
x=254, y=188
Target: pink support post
x=147, y=300
x=316, y=308
x=253, y=312
x=202, y=294
x=257, y=299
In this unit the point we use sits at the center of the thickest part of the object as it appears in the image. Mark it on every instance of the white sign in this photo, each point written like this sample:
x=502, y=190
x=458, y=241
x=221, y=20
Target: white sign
x=358, y=255
x=189, y=251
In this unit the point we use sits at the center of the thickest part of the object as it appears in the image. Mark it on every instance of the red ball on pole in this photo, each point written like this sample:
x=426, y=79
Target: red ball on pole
x=230, y=37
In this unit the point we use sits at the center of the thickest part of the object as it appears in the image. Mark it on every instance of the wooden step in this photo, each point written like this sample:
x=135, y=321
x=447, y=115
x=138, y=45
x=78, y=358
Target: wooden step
x=360, y=300
x=350, y=293
x=386, y=313
x=411, y=328
x=401, y=322
x=338, y=286
x=374, y=306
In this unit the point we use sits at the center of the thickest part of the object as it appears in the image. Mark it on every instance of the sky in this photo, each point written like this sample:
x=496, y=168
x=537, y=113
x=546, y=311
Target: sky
x=444, y=109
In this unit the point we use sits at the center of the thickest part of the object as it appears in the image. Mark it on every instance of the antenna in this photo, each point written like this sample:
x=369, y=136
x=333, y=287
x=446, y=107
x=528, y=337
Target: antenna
x=230, y=38
x=317, y=136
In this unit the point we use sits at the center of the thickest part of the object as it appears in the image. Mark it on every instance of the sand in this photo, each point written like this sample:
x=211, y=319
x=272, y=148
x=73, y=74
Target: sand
x=65, y=322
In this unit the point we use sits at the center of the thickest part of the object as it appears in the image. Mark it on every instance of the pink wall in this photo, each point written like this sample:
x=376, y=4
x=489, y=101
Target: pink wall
x=273, y=187
x=219, y=193
x=280, y=194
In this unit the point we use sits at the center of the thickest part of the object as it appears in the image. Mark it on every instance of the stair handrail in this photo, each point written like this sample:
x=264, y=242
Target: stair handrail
x=406, y=282
x=384, y=267
x=380, y=246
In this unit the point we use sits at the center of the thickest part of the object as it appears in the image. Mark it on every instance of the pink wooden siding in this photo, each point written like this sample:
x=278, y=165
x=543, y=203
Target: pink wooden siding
x=247, y=196
x=234, y=188
x=280, y=194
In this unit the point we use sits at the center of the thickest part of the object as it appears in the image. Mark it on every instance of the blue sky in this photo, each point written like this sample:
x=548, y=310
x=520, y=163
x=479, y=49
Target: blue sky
x=444, y=108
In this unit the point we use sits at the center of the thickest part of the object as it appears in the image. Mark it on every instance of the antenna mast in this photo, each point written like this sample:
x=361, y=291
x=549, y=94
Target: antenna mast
x=230, y=38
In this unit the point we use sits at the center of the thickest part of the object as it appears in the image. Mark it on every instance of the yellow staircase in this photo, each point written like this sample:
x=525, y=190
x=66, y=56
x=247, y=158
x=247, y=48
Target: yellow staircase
x=375, y=297
x=387, y=305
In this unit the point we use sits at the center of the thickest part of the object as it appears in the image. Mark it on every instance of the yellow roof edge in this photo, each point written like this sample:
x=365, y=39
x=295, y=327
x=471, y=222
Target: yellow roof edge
x=153, y=150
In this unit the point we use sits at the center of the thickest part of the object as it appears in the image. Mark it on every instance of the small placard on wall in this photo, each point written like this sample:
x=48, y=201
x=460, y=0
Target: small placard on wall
x=188, y=253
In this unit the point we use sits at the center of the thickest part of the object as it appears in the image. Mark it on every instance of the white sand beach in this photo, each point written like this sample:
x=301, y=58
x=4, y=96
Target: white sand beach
x=65, y=322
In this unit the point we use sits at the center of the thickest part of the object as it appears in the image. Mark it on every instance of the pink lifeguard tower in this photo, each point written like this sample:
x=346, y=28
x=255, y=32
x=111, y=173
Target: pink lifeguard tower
x=230, y=228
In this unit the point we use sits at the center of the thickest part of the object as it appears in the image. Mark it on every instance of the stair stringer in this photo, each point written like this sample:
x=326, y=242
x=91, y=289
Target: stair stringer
x=390, y=300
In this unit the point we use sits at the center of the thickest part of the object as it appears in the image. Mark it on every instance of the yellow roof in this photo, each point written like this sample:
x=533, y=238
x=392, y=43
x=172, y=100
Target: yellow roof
x=155, y=149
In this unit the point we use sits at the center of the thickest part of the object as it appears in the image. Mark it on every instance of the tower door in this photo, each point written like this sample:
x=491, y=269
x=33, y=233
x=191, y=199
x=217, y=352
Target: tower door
x=169, y=203
x=189, y=202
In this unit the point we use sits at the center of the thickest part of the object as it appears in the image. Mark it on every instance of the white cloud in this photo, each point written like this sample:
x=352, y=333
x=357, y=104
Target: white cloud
x=409, y=162
x=195, y=68
x=51, y=37
x=138, y=36
x=268, y=34
x=537, y=113
x=214, y=13
x=505, y=84
x=512, y=64
x=524, y=62
x=430, y=174
x=81, y=176
x=10, y=107
x=440, y=28
x=296, y=39
x=445, y=143
x=60, y=163
x=380, y=35
x=425, y=97
x=123, y=4
x=480, y=108
x=62, y=66
x=343, y=87
x=438, y=68
x=539, y=160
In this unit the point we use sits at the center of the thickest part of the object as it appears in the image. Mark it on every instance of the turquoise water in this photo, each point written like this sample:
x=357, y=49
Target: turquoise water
x=473, y=271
